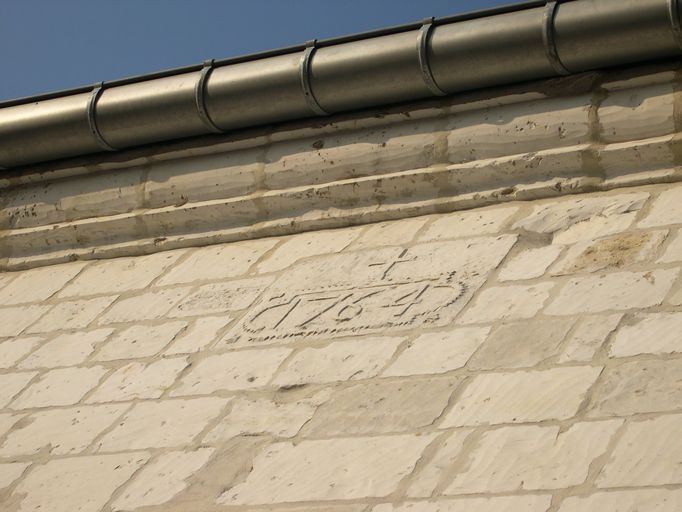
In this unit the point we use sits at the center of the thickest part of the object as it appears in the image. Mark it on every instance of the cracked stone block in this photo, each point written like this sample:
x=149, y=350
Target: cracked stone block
x=67, y=349
x=38, y=284
x=673, y=252
x=467, y=224
x=588, y=337
x=654, y=333
x=11, y=384
x=666, y=209
x=63, y=386
x=76, y=314
x=507, y=303
x=530, y=264
x=148, y=306
x=13, y=350
x=13, y=321
x=201, y=334
x=139, y=341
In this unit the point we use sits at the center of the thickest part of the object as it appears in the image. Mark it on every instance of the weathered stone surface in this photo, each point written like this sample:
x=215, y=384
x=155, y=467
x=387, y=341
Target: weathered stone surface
x=71, y=315
x=621, y=290
x=147, y=306
x=328, y=470
x=507, y=303
x=341, y=360
x=13, y=350
x=231, y=371
x=60, y=431
x=67, y=349
x=10, y=472
x=438, y=352
x=11, y=384
x=14, y=320
x=467, y=224
x=81, y=483
x=38, y=284
x=63, y=386
x=382, y=407
x=521, y=397
x=673, y=252
x=400, y=232
x=499, y=504
x=530, y=263
x=139, y=341
x=648, y=453
x=139, y=380
x=649, y=500
x=161, y=479
x=638, y=387
x=162, y=424
x=7, y=421
x=200, y=335
x=588, y=337
x=531, y=458
x=654, y=333
x=667, y=209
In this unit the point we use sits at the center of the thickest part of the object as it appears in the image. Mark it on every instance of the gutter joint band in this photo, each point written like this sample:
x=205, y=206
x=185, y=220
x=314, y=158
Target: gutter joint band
x=675, y=20
x=200, y=97
x=92, y=117
x=304, y=74
x=549, y=38
x=422, y=52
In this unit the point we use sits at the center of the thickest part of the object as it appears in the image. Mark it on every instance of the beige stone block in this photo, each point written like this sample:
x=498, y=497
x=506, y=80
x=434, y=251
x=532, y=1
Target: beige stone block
x=497, y=504
x=232, y=371
x=67, y=349
x=522, y=344
x=11, y=384
x=467, y=224
x=676, y=298
x=383, y=406
x=518, y=458
x=60, y=431
x=7, y=421
x=335, y=469
x=139, y=341
x=654, y=333
x=71, y=315
x=666, y=209
x=507, y=303
x=147, y=306
x=339, y=361
x=162, y=479
x=522, y=397
x=215, y=298
x=12, y=350
x=84, y=484
x=617, y=291
x=217, y=262
x=63, y=386
x=588, y=337
x=638, y=387
x=530, y=264
x=162, y=424
x=201, y=334
x=438, y=352
x=38, y=284
x=121, y=274
x=584, y=218
x=613, y=252
x=645, y=500
x=10, y=473
x=399, y=232
x=648, y=453
x=139, y=380
x=14, y=320
x=306, y=245
x=673, y=252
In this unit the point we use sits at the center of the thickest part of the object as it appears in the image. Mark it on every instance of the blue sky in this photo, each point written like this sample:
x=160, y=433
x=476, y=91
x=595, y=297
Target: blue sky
x=47, y=45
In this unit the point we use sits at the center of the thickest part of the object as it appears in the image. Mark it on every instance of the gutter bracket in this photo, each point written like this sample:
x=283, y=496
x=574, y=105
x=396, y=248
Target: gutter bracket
x=549, y=38
x=304, y=75
x=200, y=97
x=422, y=52
x=675, y=20
x=97, y=90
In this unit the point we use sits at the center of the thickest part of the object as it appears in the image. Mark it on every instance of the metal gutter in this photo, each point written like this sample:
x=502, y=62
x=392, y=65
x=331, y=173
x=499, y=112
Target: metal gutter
x=516, y=43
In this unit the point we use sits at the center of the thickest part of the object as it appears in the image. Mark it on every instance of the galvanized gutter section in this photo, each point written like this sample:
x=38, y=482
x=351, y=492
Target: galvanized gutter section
x=538, y=39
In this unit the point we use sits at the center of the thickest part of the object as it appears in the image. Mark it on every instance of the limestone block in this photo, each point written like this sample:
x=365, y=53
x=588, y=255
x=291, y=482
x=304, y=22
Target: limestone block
x=139, y=380
x=38, y=284
x=339, y=361
x=12, y=350
x=120, y=274
x=650, y=500
x=507, y=303
x=521, y=397
x=399, y=232
x=666, y=209
x=85, y=484
x=60, y=431
x=498, y=504
x=7, y=421
x=486, y=221
x=63, y=386
x=530, y=264
x=438, y=352
x=11, y=384
x=305, y=245
x=75, y=314
x=522, y=344
x=67, y=349
x=217, y=262
x=648, y=453
x=161, y=479
x=162, y=424
x=139, y=341
x=617, y=291
x=146, y=306
x=638, y=162
x=200, y=335
x=676, y=298
x=673, y=252
x=588, y=337
x=14, y=320
x=655, y=333
x=383, y=406
x=335, y=469
x=10, y=472
x=517, y=458
x=638, y=387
